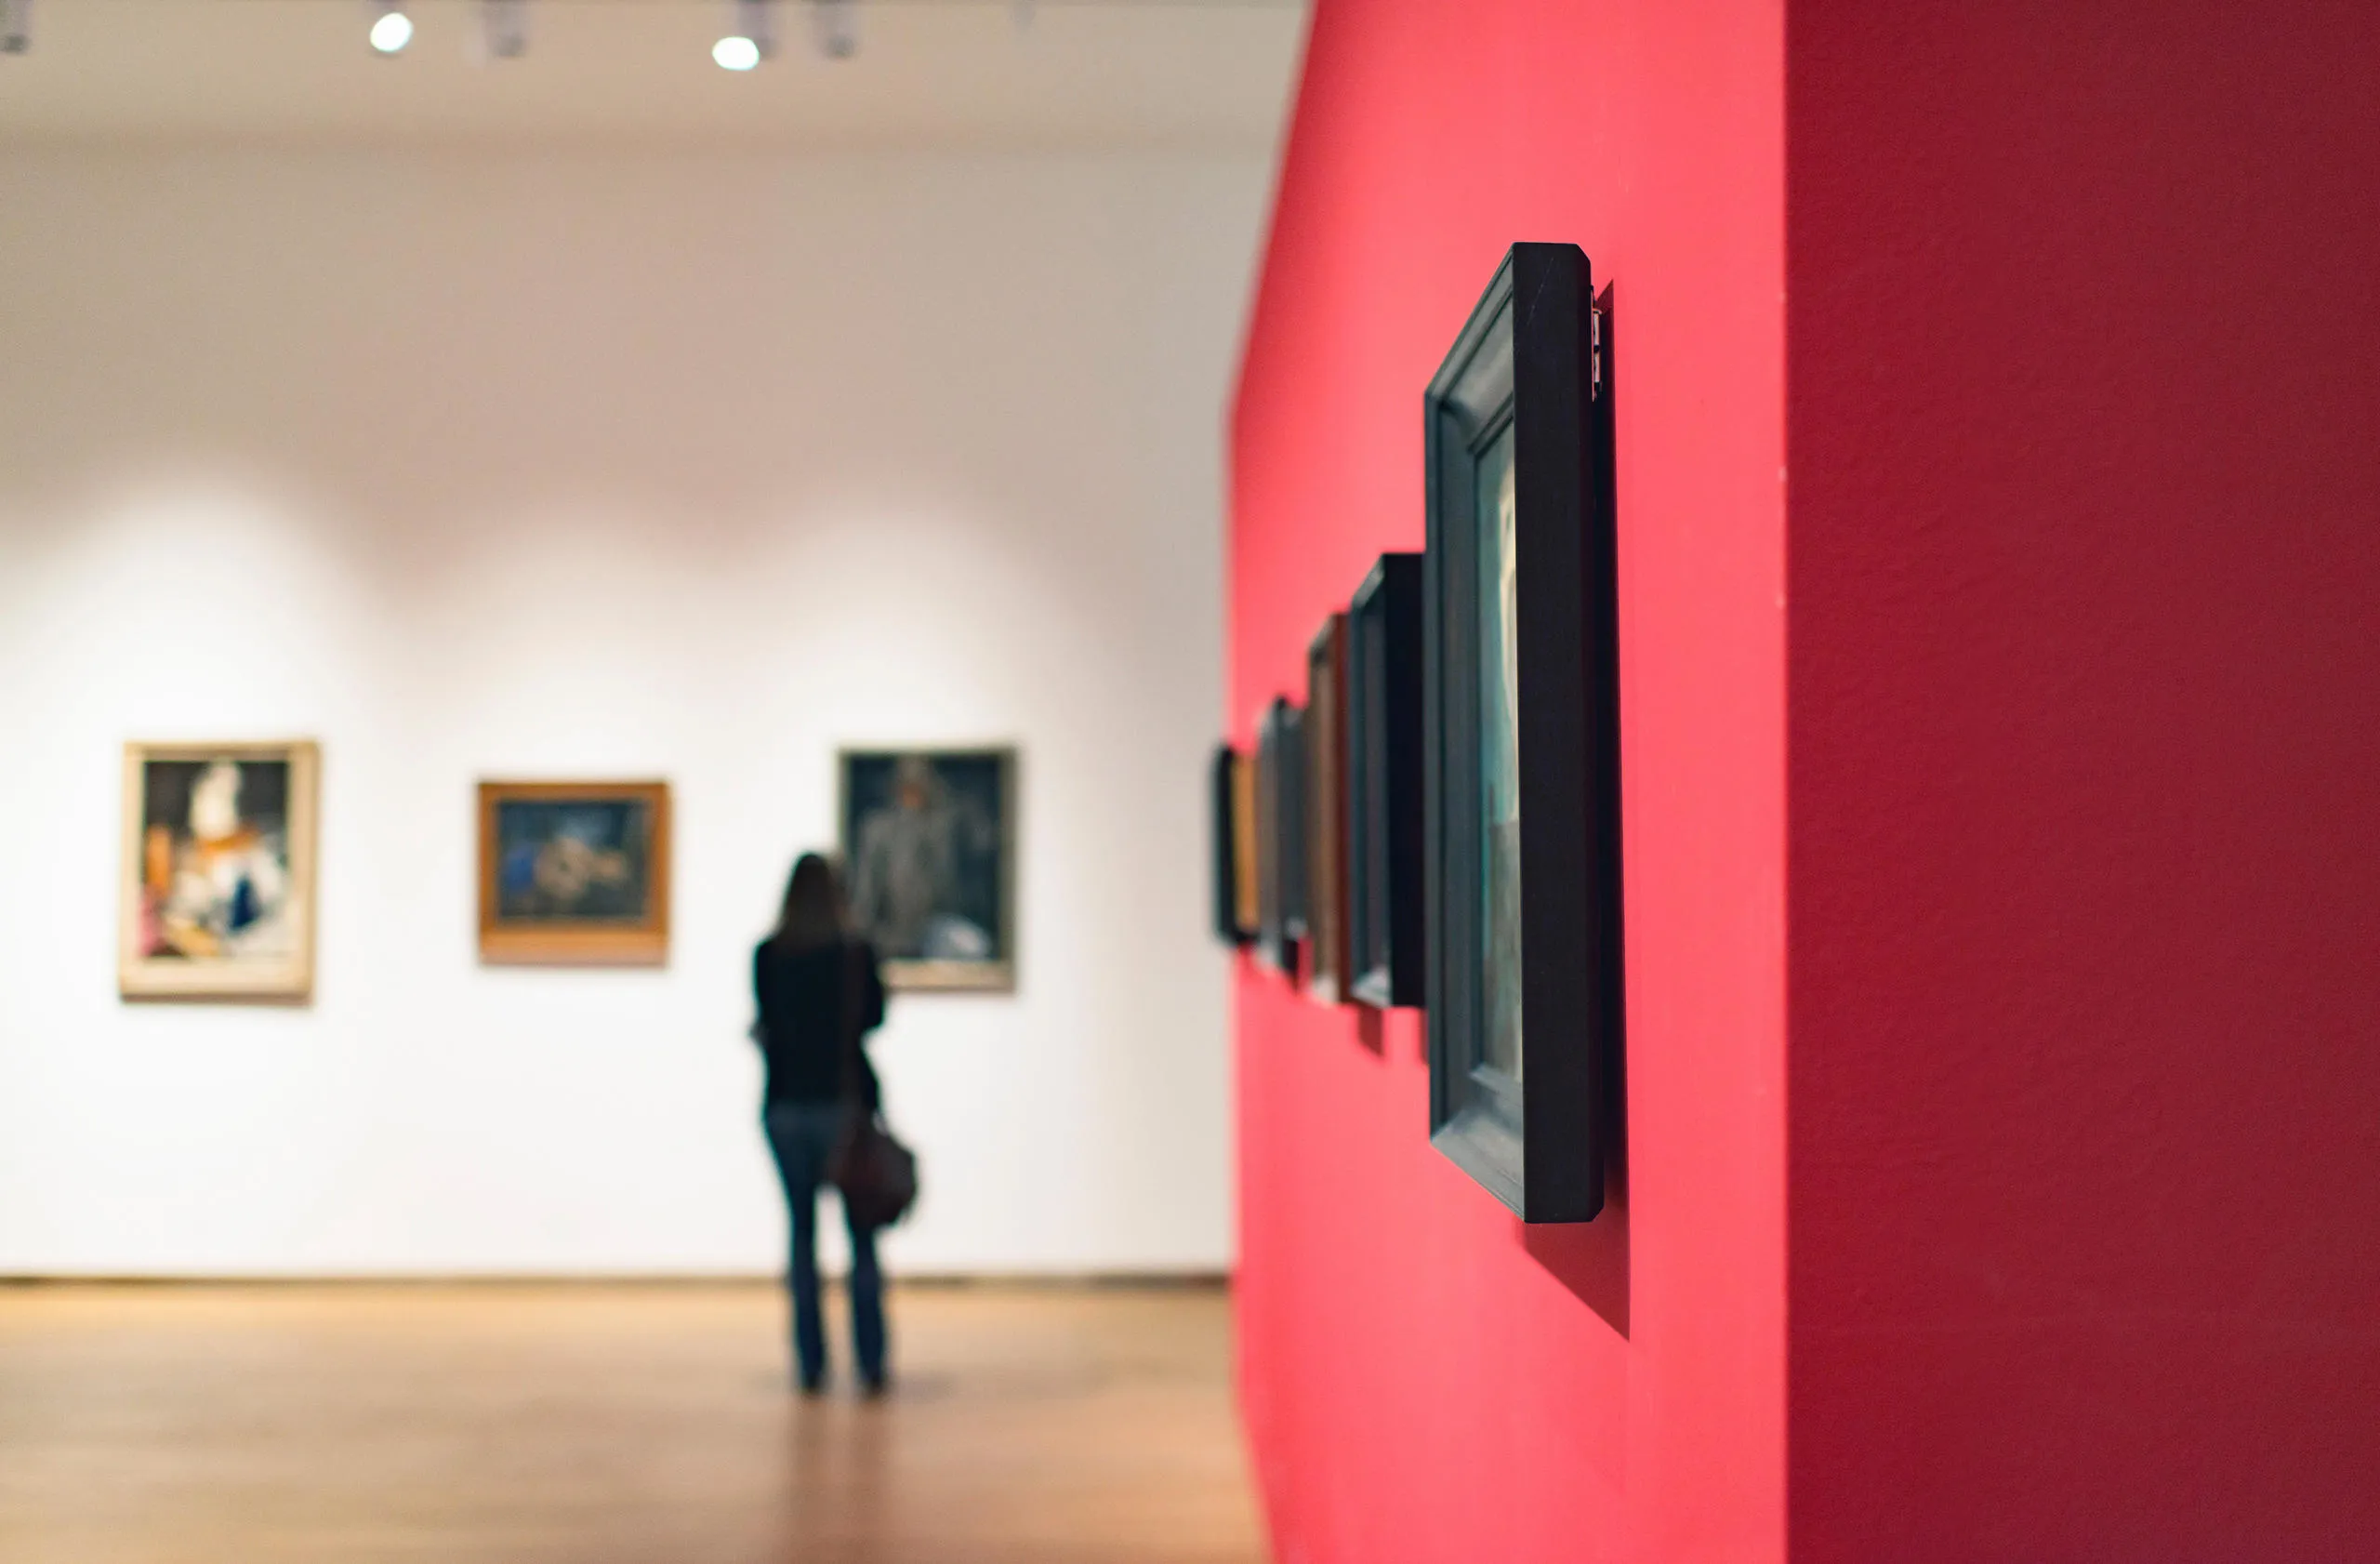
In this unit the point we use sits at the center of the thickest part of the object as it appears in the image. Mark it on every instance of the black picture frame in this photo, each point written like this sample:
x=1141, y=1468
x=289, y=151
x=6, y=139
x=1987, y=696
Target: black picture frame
x=1526, y=361
x=1385, y=912
x=1325, y=726
x=1228, y=784
x=1281, y=834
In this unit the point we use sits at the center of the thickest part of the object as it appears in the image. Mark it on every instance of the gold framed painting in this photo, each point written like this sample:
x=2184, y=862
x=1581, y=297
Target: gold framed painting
x=573, y=873
x=216, y=898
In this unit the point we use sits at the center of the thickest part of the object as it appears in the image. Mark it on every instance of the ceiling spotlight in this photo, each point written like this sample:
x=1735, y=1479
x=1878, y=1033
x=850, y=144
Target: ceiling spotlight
x=16, y=26
x=504, y=28
x=754, y=37
x=835, y=24
x=392, y=30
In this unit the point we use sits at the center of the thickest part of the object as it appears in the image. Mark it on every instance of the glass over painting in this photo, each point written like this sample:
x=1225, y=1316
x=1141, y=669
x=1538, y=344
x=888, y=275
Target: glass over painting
x=581, y=860
x=1498, y=664
x=217, y=882
x=925, y=844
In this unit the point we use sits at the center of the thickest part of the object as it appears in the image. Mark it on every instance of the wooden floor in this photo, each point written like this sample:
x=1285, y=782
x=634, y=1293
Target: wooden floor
x=591, y=1424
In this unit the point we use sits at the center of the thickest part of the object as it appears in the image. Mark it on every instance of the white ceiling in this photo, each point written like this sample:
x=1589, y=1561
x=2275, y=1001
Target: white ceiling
x=1188, y=73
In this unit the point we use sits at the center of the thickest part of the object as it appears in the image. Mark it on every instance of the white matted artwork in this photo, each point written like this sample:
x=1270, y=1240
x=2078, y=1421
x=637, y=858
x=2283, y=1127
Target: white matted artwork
x=218, y=888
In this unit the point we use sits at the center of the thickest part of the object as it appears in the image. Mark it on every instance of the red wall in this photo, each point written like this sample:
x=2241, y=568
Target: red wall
x=2083, y=787
x=2085, y=781
x=1422, y=1381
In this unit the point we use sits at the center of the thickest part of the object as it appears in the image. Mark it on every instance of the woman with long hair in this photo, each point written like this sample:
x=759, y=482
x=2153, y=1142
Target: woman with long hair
x=819, y=994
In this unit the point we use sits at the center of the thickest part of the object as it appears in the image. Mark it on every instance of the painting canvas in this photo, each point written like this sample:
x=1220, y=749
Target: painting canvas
x=929, y=846
x=1280, y=836
x=217, y=893
x=575, y=873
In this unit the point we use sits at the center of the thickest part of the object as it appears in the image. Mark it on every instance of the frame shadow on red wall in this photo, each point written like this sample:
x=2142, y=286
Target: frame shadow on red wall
x=1591, y=1259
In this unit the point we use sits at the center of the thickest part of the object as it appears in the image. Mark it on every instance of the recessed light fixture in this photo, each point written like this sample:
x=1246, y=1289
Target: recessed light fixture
x=753, y=36
x=392, y=30
x=16, y=26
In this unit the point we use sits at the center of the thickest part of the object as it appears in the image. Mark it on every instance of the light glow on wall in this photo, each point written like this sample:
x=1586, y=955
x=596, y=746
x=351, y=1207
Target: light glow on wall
x=391, y=31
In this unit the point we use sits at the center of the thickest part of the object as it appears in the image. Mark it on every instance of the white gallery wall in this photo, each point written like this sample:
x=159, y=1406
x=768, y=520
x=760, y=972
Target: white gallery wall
x=581, y=465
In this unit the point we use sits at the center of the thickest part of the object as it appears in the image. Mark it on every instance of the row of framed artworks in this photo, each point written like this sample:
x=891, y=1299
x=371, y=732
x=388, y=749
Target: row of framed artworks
x=1437, y=825
x=1318, y=830
x=219, y=857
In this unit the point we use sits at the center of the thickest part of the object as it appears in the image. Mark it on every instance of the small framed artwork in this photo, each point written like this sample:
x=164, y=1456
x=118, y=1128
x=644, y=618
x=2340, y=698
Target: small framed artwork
x=1244, y=842
x=216, y=896
x=1521, y=744
x=1280, y=836
x=573, y=873
x=1384, y=785
x=929, y=851
x=1231, y=806
x=1326, y=810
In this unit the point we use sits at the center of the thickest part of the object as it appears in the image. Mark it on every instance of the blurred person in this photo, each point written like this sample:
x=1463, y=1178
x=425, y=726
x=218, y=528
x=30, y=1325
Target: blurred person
x=819, y=994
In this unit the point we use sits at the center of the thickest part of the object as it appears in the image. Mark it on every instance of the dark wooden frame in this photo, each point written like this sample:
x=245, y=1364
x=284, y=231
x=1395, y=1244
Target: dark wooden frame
x=571, y=942
x=1280, y=836
x=1244, y=844
x=1228, y=805
x=1326, y=811
x=1529, y=356
x=1384, y=920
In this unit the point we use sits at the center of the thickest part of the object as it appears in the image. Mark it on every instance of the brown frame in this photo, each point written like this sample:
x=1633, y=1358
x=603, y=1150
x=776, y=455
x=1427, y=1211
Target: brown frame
x=1244, y=842
x=290, y=982
x=571, y=943
x=1328, y=978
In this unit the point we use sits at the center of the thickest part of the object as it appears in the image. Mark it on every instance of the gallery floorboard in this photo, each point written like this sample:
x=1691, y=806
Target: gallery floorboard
x=589, y=1424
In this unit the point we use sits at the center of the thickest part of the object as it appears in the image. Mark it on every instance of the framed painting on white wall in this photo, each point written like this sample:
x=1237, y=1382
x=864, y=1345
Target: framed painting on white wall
x=573, y=873
x=217, y=899
x=929, y=847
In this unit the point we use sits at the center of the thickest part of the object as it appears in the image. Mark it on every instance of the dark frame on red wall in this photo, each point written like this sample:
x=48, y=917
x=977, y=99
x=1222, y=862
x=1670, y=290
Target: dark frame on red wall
x=1384, y=920
x=1280, y=836
x=1228, y=784
x=1521, y=744
x=1326, y=812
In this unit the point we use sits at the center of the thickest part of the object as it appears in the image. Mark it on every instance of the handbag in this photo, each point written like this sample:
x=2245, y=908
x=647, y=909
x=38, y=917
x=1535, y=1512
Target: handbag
x=876, y=1175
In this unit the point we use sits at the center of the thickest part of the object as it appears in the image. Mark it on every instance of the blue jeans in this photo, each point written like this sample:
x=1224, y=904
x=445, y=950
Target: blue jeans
x=802, y=1135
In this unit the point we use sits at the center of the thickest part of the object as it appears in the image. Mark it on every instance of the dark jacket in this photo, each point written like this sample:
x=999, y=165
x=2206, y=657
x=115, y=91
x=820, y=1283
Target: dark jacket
x=801, y=995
